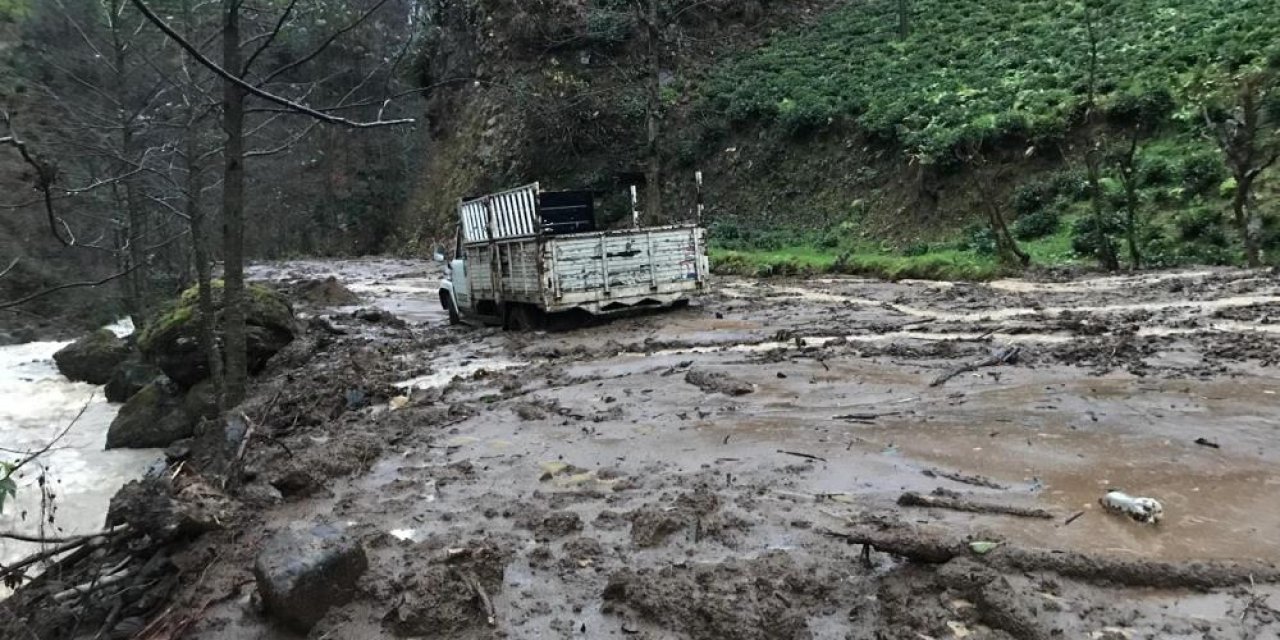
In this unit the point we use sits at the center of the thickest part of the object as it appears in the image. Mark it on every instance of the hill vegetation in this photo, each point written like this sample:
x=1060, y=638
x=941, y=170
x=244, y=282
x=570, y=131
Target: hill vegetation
x=951, y=78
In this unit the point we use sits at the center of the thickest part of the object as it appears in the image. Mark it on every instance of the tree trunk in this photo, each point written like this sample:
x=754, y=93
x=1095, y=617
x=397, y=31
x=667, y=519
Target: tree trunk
x=1246, y=223
x=1106, y=252
x=904, y=19
x=653, y=173
x=204, y=278
x=233, y=98
x=137, y=284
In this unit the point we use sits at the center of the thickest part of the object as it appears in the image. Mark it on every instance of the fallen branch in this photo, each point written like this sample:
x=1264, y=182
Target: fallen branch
x=115, y=575
x=1004, y=355
x=912, y=499
x=864, y=417
x=807, y=456
x=39, y=539
x=89, y=542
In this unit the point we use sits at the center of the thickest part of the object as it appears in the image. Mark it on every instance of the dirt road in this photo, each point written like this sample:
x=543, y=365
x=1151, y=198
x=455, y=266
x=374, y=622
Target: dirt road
x=681, y=475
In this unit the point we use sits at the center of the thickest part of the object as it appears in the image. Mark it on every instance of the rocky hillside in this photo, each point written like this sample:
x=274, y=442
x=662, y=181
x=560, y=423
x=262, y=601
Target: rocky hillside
x=841, y=125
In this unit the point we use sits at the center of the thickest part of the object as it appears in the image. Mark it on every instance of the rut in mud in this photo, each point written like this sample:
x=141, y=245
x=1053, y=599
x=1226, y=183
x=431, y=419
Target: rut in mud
x=699, y=473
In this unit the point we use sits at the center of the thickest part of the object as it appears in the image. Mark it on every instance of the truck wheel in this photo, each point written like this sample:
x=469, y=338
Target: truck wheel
x=447, y=301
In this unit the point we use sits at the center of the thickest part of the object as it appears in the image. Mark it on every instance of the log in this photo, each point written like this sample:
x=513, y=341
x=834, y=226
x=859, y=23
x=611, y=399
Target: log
x=909, y=543
x=912, y=499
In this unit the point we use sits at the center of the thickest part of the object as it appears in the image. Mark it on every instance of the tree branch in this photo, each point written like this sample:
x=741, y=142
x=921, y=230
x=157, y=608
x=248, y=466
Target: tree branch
x=324, y=45
x=45, y=174
x=250, y=88
x=73, y=285
x=271, y=37
x=10, y=267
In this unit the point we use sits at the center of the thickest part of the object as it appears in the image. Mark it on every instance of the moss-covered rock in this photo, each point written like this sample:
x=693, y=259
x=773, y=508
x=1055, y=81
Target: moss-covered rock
x=172, y=339
x=129, y=377
x=92, y=358
x=154, y=417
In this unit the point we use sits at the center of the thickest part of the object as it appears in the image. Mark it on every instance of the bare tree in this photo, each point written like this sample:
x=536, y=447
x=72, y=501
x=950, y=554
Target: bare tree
x=1249, y=136
x=235, y=72
x=1007, y=249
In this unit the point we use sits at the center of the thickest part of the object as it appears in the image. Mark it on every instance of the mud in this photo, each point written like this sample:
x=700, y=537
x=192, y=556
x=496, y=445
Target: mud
x=640, y=479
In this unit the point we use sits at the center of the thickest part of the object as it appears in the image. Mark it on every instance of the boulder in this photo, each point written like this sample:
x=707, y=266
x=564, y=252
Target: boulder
x=154, y=417
x=92, y=358
x=301, y=574
x=129, y=377
x=326, y=293
x=172, y=340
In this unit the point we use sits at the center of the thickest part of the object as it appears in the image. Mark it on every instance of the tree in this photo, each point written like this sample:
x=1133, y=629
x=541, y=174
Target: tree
x=1095, y=150
x=238, y=85
x=653, y=94
x=1248, y=133
x=1007, y=249
x=1139, y=116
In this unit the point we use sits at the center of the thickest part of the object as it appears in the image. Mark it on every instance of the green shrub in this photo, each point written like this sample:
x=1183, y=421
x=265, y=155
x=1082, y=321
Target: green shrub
x=1084, y=236
x=1202, y=173
x=1037, y=224
x=1201, y=225
x=981, y=241
x=1156, y=170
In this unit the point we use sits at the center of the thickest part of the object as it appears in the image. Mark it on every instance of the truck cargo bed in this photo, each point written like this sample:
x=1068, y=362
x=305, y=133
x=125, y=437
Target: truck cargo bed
x=599, y=272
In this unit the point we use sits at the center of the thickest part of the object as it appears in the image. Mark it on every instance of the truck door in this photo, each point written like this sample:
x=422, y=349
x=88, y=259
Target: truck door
x=458, y=276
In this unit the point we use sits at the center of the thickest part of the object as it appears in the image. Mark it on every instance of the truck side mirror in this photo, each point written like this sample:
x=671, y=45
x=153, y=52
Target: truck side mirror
x=439, y=255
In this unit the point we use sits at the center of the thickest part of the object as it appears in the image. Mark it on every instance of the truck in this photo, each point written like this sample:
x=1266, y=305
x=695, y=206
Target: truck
x=526, y=255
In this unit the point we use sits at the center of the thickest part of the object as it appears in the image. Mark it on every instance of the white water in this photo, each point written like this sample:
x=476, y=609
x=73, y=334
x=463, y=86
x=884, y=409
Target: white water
x=36, y=404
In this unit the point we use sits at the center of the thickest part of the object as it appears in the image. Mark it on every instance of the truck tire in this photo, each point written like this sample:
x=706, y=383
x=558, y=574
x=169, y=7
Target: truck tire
x=447, y=301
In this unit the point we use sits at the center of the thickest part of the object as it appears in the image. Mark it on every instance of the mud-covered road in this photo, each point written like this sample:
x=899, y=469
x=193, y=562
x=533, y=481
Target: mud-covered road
x=689, y=474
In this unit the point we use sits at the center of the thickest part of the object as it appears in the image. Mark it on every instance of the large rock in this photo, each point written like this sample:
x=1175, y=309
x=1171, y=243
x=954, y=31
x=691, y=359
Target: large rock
x=129, y=377
x=92, y=358
x=301, y=574
x=154, y=417
x=172, y=341
x=325, y=293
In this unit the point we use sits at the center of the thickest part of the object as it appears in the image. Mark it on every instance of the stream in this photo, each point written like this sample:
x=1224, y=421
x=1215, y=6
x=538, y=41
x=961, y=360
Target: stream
x=36, y=404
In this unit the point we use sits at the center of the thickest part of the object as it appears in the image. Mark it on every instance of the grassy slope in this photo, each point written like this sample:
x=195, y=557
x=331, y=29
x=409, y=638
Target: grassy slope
x=994, y=72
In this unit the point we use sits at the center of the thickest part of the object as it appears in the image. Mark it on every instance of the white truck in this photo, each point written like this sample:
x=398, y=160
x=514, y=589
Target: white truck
x=525, y=254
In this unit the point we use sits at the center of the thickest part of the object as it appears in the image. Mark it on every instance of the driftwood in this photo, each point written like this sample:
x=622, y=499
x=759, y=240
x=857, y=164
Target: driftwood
x=912, y=499
x=907, y=542
x=1004, y=355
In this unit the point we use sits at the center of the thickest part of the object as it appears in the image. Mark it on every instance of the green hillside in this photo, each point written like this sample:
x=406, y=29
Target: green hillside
x=1011, y=78
x=982, y=70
